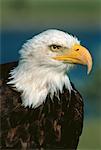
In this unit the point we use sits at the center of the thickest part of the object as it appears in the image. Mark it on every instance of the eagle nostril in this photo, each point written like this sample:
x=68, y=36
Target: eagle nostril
x=77, y=49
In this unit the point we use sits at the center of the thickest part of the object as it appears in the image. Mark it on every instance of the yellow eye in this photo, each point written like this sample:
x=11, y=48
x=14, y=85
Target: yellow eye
x=55, y=47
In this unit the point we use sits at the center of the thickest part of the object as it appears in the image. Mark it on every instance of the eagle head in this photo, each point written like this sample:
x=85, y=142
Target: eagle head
x=44, y=64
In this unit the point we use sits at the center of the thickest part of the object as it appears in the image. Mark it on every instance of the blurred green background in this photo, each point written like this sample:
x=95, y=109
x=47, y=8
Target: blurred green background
x=21, y=19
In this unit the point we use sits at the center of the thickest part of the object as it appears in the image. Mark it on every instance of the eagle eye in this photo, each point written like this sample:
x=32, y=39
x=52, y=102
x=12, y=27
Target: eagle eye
x=55, y=47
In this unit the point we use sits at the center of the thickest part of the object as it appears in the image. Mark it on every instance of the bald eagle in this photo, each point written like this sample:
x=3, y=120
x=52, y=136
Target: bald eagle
x=40, y=107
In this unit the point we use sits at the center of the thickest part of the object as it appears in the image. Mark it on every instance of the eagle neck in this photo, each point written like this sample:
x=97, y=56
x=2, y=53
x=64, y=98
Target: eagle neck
x=35, y=83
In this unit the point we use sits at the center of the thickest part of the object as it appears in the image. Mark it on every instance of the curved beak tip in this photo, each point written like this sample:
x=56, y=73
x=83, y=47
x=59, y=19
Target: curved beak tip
x=89, y=71
x=89, y=63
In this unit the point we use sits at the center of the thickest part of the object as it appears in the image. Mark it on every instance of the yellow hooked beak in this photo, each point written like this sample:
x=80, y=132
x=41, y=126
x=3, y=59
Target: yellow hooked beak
x=76, y=55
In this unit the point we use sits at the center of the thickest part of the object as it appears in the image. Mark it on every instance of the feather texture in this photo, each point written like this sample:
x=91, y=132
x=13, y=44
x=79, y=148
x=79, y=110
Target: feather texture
x=56, y=124
x=37, y=73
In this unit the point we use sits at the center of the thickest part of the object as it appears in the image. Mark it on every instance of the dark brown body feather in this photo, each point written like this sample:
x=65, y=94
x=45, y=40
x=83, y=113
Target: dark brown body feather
x=54, y=125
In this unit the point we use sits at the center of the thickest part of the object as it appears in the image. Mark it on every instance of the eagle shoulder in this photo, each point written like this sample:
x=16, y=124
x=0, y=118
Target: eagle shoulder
x=55, y=124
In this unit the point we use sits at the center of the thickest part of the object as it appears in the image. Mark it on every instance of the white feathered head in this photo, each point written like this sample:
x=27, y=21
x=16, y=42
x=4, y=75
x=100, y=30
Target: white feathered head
x=44, y=61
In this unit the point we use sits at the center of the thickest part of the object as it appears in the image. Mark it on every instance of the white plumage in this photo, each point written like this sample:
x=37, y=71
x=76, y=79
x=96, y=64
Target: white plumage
x=38, y=74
